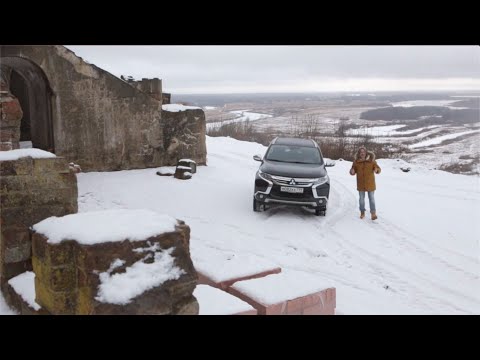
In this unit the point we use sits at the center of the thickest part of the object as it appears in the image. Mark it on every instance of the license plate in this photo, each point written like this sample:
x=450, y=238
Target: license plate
x=293, y=190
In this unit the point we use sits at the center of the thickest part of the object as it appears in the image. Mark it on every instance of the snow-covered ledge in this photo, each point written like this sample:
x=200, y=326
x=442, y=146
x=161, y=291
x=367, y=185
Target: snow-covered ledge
x=179, y=107
x=114, y=262
x=22, y=153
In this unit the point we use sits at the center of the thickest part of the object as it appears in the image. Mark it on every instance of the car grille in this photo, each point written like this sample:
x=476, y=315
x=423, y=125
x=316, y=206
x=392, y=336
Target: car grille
x=275, y=192
x=301, y=182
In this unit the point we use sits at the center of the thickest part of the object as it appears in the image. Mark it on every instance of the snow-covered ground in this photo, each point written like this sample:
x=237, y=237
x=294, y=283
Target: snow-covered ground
x=375, y=130
x=422, y=256
x=439, y=139
x=242, y=115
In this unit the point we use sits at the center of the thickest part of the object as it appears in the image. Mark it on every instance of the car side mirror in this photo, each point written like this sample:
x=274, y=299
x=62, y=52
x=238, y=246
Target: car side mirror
x=330, y=164
x=257, y=158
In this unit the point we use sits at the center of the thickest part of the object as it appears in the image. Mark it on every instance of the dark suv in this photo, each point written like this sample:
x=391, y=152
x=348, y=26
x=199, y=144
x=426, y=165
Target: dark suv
x=292, y=173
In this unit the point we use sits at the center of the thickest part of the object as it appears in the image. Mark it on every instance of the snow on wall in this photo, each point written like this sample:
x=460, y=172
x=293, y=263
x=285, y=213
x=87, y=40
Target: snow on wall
x=24, y=285
x=21, y=153
x=105, y=226
x=121, y=288
x=179, y=107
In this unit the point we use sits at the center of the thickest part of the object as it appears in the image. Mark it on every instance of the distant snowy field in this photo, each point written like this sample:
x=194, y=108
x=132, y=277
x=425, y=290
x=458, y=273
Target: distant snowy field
x=242, y=115
x=411, y=103
x=421, y=257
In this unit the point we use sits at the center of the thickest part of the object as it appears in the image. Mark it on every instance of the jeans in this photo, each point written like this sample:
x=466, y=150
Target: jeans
x=371, y=200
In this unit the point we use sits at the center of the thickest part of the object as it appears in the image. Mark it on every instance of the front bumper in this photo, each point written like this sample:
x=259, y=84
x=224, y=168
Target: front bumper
x=314, y=196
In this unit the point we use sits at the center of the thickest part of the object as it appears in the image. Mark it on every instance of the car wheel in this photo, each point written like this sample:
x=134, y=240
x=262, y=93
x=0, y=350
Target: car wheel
x=256, y=205
x=319, y=212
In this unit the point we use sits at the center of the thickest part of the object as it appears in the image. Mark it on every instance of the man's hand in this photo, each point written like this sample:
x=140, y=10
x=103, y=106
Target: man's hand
x=352, y=171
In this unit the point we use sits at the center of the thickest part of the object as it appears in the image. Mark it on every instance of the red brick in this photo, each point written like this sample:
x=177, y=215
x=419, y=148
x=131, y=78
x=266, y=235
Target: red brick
x=261, y=309
x=295, y=305
x=227, y=283
x=314, y=299
x=205, y=280
x=320, y=303
x=276, y=309
x=224, y=285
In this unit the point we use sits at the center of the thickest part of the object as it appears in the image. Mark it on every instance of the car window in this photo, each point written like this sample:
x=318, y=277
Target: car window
x=294, y=154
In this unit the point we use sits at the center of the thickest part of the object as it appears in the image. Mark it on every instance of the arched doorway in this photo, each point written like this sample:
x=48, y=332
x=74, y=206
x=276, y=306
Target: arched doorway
x=31, y=87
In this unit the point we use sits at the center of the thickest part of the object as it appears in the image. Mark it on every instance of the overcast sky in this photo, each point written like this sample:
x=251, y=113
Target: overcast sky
x=243, y=69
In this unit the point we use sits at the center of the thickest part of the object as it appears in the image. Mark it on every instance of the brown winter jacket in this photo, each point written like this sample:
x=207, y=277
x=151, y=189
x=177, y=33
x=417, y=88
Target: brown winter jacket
x=365, y=172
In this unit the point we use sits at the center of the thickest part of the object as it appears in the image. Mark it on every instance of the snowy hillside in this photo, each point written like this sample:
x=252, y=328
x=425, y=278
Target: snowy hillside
x=420, y=257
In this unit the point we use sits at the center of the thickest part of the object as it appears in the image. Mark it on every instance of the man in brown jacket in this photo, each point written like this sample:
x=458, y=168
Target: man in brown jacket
x=365, y=167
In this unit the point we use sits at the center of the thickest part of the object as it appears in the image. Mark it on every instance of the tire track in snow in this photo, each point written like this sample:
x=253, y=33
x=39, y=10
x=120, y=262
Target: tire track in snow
x=390, y=271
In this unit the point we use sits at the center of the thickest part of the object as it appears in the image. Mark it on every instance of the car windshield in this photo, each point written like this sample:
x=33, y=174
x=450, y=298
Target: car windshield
x=294, y=154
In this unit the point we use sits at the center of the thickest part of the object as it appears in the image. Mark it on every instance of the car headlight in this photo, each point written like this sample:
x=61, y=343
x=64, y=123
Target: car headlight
x=322, y=180
x=265, y=176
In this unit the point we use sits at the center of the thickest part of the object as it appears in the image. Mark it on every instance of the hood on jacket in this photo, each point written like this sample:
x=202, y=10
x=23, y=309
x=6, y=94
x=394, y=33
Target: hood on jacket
x=370, y=156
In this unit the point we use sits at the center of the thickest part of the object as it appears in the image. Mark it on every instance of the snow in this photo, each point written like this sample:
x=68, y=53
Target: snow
x=388, y=130
x=184, y=167
x=411, y=103
x=187, y=160
x=221, y=265
x=121, y=288
x=213, y=301
x=179, y=107
x=440, y=139
x=188, y=173
x=166, y=170
x=210, y=107
x=375, y=131
x=21, y=153
x=406, y=132
x=277, y=288
x=420, y=257
x=106, y=225
x=24, y=285
x=464, y=96
x=242, y=115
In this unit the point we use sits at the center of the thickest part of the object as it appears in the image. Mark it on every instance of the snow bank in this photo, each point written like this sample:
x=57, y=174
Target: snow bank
x=179, y=107
x=24, y=285
x=166, y=170
x=121, y=288
x=288, y=285
x=105, y=226
x=214, y=301
x=21, y=153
